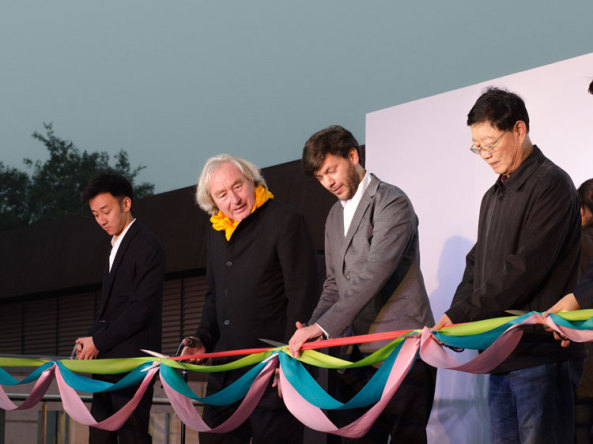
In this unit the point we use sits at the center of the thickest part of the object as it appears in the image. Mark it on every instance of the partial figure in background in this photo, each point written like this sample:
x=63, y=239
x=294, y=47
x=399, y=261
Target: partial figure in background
x=586, y=194
x=129, y=318
x=526, y=256
x=582, y=297
x=374, y=283
x=262, y=278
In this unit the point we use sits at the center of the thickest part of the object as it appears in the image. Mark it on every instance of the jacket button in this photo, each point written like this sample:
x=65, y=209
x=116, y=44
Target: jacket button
x=229, y=263
x=226, y=291
x=227, y=322
x=347, y=277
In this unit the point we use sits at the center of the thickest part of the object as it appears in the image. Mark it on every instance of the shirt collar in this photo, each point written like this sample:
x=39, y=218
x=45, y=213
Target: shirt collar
x=525, y=170
x=362, y=186
x=116, y=240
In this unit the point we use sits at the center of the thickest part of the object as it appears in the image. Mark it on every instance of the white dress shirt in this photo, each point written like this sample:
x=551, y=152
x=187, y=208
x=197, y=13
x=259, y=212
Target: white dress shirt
x=115, y=242
x=351, y=204
x=350, y=207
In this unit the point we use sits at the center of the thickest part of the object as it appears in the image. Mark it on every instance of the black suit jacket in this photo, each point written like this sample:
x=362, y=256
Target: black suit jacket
x=261, y=281
x=129, y=318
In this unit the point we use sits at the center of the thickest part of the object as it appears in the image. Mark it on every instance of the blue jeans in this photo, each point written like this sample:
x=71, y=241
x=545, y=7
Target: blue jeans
x=535, y=404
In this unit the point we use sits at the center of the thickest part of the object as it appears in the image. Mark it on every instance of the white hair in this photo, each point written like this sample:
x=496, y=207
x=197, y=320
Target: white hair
x=249, y=170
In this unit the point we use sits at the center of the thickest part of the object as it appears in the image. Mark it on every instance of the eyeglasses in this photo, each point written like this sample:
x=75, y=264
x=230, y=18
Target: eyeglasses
x=488, y=149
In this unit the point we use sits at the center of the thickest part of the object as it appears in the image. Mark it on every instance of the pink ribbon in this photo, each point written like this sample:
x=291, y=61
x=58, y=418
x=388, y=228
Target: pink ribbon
x=434, y=354
x=186, y=411
x=570, y=333
x=75, y=407
x=41, y=386
x=314, y=418
x=430, y=351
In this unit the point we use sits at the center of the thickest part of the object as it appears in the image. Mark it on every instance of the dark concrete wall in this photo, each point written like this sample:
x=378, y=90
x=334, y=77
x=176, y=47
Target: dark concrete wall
x=71, y=252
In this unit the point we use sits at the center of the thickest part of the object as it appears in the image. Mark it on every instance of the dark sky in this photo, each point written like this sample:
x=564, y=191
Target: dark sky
x=176, y=82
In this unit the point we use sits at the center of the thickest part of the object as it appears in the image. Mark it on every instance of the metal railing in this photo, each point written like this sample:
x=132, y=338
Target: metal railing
x=48, y=398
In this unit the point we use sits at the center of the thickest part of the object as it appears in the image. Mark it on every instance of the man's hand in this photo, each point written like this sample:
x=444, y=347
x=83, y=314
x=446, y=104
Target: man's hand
x=302, y=335
x=192, y=346
x=85, y=348
x=567, y=303
x=445, y=321
x=276, y=382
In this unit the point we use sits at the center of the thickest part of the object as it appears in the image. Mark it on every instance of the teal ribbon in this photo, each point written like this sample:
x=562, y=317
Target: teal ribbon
x=479, y=336
x=90, y=385
x=482, y=341
x=309, y=389
x=577, y=325
x=228, y=395
x=7, y=379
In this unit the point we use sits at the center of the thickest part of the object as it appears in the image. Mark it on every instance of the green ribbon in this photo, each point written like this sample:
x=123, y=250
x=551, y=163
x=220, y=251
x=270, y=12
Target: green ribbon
x=469, y=335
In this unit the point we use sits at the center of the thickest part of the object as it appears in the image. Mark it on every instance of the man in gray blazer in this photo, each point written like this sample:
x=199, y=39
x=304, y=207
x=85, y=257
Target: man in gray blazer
x=374, y=282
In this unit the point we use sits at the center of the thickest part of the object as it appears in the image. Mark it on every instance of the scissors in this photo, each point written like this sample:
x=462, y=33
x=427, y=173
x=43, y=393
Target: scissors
x=272, y=342
x=155, y=354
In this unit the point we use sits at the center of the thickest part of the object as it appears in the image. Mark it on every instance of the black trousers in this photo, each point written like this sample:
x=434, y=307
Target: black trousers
x=270, y=422
x=405, y=417
x=135, y=429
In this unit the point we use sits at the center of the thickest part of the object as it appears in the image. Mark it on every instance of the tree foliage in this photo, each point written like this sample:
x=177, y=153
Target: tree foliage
x=54, y=187
x=14, y=197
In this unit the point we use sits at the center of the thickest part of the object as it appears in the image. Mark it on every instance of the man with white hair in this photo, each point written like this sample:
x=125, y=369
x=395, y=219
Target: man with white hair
x=262, y=278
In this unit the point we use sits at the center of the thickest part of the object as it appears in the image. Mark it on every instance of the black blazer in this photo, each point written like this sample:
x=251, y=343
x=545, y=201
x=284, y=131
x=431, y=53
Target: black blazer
x=260, y=282
x=129, y=318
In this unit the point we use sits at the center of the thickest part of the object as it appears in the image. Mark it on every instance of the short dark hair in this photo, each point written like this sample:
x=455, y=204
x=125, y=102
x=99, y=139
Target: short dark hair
x=586, y=194
x=108, y=182
x=335, y=140
x=499, y=107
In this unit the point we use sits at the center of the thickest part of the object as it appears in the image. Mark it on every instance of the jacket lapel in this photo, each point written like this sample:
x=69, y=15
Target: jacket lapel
x=362, y=208
x=109, y=276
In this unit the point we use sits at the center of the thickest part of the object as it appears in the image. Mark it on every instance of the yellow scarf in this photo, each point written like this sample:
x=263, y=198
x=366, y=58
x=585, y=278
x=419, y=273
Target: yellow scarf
x=220, y=222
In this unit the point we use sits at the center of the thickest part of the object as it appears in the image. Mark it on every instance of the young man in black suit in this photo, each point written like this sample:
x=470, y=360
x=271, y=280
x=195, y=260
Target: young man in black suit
x=129, y=318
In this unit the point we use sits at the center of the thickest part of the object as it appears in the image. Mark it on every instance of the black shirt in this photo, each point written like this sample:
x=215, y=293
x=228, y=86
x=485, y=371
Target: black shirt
x=526, y=256
x=584, y=291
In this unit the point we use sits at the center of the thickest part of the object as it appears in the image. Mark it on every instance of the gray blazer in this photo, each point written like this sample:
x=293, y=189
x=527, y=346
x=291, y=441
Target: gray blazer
x=374, y=282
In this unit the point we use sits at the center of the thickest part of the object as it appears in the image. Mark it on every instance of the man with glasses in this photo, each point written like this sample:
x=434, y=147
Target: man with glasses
x=525, y=258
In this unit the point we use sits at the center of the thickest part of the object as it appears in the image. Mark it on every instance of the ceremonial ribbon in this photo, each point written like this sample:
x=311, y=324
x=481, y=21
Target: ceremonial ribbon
x=296, y=375
x=187, y=413
x=304, y=398
x=227, y=395
x=313, y=417
x=44, y=380
x=75, y=407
